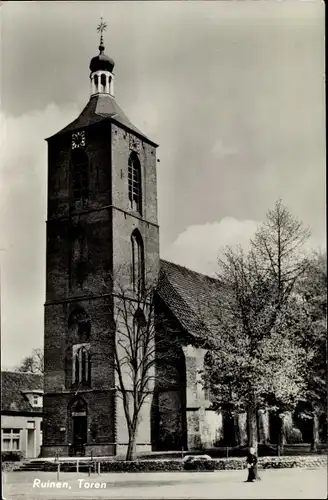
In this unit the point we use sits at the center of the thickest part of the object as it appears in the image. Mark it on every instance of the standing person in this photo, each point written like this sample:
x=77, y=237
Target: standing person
x=251, y=465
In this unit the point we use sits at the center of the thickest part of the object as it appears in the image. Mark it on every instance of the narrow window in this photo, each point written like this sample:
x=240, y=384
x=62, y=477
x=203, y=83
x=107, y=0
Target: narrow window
x=80, y=176
x=140, y=341
x=84, y=362
x=138, y=262
x=77, y=368
x=103, y=82
x=134, y=180
x=81, y=365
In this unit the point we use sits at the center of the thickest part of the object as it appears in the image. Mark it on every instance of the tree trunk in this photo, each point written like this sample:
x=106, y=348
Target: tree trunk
x=252, y=427
x=282, y=436
x=253, y=432
x=263, y=427
x=131, y=451
x=243, y=428
x=315, y=432
x=237, y=429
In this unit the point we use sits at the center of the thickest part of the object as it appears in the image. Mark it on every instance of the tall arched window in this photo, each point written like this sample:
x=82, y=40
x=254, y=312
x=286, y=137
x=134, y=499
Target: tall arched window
x=138, y=262
x=81, y=372
x=134, y=180
x=80, y=175
x=140, y=341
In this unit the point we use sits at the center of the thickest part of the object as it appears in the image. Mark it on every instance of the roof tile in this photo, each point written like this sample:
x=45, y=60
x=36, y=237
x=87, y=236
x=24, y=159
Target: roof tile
x=191, y=296
x=101, y=107
x=13, y=385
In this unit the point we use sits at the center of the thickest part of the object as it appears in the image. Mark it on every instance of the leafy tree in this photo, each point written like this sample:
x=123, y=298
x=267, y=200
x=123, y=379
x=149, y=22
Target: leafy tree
x=33, y=363
x=311, y=333
x=256, y=361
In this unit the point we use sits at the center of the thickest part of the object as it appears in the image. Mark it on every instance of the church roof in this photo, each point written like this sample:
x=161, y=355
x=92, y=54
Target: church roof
x=191, y=297
x=14, y=385
x=102, y=107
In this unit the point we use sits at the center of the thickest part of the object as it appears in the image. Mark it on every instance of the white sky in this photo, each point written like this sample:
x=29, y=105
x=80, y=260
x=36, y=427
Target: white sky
x=232, y=91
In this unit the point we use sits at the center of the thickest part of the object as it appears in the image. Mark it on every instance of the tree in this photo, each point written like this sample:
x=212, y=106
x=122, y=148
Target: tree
x=134, y=355
x=138, y=348
x=311, y=333
x=33, y=363
x=279, y=248
x=256, y=362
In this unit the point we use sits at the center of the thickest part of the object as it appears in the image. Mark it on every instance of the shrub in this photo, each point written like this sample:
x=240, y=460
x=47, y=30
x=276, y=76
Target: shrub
x=143, y=466
x=199, y=464
x=230, y=463
x=9, y=466
x=11, y=456
x=293, y=435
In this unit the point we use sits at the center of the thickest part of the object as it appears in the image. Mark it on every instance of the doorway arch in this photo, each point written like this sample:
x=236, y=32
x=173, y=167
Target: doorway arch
x=79, y=426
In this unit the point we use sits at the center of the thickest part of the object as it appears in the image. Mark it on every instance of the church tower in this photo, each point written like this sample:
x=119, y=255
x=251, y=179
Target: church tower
x=101, y=223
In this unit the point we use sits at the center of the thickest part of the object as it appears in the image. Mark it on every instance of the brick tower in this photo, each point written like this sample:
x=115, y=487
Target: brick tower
x=102, y=205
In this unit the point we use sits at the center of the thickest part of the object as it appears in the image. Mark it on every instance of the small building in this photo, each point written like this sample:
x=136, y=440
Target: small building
x=21, y=413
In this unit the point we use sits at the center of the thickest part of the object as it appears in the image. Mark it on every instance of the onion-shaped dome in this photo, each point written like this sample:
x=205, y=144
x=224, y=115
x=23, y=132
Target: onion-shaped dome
x=101, y=62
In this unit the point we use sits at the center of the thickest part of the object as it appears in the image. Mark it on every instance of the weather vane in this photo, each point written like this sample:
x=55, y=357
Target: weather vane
x=101, y=28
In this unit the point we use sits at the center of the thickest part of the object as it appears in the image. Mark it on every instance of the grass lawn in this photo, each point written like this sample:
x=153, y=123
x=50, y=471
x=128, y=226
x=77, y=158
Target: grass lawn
x=279, y=483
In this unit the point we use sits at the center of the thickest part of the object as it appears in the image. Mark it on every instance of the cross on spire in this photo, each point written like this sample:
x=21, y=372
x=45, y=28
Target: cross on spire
x=100, y=29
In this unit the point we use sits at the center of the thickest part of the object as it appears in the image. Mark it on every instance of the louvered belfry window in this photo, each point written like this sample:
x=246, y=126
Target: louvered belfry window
x=80, y=184
x=134, y=179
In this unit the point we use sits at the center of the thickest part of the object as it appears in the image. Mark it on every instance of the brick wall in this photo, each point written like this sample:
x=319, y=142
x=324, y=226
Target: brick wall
x=125, y=220
x=85, y=245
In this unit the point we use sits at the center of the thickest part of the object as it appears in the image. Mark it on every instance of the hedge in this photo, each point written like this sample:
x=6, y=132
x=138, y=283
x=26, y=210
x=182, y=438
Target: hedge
x=11, y=456
x=214, y=464
x=143, y=466
x=193, y=464
x=9, y=466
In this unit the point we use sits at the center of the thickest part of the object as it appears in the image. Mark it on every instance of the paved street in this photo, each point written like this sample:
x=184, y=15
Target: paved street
x=283, y=483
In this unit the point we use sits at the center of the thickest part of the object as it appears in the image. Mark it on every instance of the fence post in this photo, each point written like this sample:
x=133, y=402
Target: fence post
x=99, y=468
x=77, y=466
x=227, y=451
x=58, y=471
x=89, y=470
x=182, y=452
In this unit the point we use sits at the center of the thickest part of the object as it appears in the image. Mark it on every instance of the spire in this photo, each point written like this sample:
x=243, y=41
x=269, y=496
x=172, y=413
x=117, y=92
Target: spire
x=100, y=29
x=101, y=67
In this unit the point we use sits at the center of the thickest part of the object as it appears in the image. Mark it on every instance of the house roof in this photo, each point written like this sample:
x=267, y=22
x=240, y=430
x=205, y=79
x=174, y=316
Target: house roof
x=190, y=296
x=14, y=385
x=99, y=108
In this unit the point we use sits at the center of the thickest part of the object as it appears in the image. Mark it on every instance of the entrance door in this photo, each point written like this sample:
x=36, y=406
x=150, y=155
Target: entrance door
x=30, y=443
x=79, y=435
